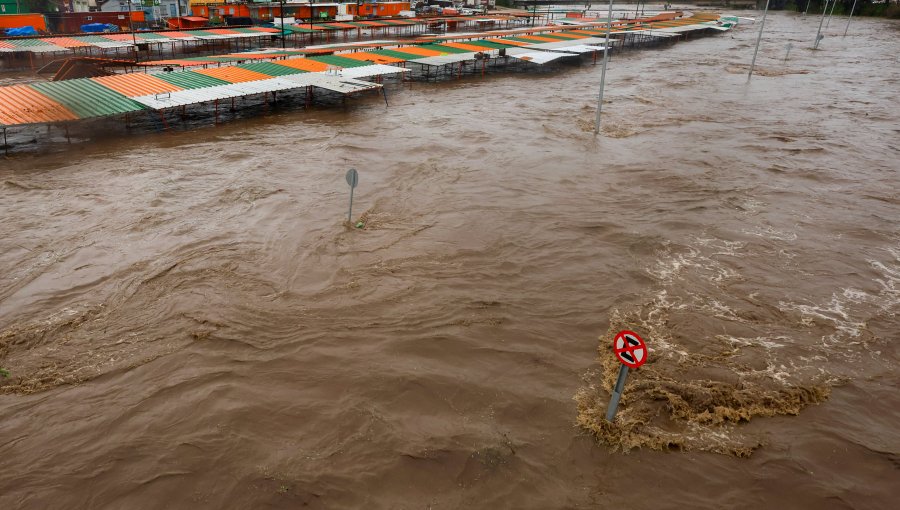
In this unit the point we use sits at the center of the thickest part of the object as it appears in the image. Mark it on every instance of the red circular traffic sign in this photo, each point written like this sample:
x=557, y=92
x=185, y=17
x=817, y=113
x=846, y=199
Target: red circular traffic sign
x=630, y=349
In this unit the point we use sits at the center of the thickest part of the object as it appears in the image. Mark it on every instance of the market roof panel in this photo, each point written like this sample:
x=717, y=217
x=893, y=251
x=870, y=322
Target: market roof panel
x=86, y=98
x=22, y=104
x=136, y=84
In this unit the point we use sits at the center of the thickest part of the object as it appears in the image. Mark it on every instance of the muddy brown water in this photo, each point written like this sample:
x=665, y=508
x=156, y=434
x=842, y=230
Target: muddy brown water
x=188, y=323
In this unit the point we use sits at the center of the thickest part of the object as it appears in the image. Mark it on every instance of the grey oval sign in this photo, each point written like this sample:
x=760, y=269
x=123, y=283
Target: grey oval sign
x=352, y=177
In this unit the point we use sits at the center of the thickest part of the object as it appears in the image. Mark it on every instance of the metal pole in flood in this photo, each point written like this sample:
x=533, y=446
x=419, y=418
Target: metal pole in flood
x=603, y=71
x=830, y=14
x=352, y=179
x=758, y=39
x=807, y=7
x=851, y=17
x=617, y=394
x=819, y=35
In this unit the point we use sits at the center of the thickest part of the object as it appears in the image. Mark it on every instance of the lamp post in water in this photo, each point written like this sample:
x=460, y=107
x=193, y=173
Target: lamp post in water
x=603, y=72
x=758, y=39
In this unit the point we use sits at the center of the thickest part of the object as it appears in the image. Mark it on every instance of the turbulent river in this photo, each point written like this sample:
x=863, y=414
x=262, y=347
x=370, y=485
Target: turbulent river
x=188, y=322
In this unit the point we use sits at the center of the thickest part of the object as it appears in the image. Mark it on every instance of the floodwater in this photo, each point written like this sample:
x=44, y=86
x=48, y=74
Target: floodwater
x=188, y=322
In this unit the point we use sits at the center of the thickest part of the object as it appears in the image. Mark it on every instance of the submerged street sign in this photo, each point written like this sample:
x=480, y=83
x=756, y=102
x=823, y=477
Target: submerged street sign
x=630, y=349
x=352, y=179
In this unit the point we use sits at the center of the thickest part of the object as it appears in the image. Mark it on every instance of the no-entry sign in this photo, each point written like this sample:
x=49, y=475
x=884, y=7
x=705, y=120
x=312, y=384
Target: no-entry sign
x=630, y=349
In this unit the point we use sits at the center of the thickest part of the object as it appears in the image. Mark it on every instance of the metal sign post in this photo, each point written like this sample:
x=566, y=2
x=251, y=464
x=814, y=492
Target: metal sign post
x=758, y=39
x=603, y=72
x=352, y=179
x=830, y=14
x=631, y=351
x=788, y=47
x=851, y=17
x=819, y=35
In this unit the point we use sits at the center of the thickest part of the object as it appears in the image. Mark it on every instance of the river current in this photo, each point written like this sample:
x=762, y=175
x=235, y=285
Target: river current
x=188, y=322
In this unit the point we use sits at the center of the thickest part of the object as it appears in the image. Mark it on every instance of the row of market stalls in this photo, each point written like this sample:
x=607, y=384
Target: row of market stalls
x=347, y=70
x=33, y=51
x=625, y=33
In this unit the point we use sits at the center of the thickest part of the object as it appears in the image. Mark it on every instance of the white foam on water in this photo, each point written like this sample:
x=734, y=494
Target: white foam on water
x=769, y=232
x=833, y=312
x=671, y=268
x=760, y=341
x=889, y=297
x=723, y=247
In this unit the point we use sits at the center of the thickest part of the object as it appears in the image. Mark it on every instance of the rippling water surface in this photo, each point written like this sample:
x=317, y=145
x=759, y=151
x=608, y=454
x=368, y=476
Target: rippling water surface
x=189, y=324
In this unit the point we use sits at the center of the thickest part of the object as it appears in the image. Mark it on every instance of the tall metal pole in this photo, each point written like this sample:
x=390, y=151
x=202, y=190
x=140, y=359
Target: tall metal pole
x=848, y=19
x=603, y=72
x=616, y=394
x=283, y=44
x=816, y=45
x=807, y=7
x=830, y=14
x=131, y=26
x=758, y=39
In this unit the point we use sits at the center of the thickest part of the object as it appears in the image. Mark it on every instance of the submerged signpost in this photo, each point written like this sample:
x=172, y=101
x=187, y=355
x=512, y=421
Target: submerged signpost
x=819, y=35
x=758, y=39
x=603, y=72
x=849, y=18
x=352, y=179
x=632, y=353
x=830, y=14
